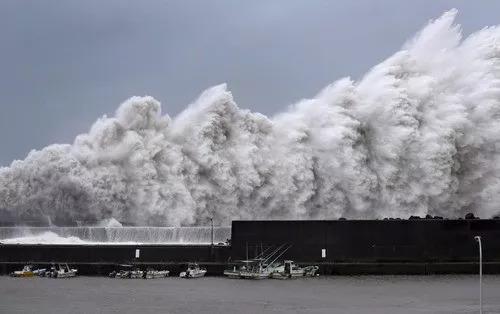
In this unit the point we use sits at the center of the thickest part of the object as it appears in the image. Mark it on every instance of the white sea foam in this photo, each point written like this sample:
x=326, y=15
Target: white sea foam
x=47, y=237
x=113, y=235
x=418, y=134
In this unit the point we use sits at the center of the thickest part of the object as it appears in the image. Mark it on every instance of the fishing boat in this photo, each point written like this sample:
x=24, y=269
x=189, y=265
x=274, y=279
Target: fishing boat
x=61, y=271
x=193, y=271
x=28, y=271
x=249, y=269
x=260, y=267
x=152, y=274
x=255, y=269
x=287, y=270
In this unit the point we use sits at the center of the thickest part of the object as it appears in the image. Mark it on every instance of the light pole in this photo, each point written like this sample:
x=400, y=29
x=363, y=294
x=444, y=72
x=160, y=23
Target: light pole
x=212, y=230
x=478, y=240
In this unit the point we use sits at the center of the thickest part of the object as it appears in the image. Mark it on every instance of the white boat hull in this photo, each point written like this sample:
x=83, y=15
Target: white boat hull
x=191, y=274
x=137, y=275
x=67, y=274
x=232, y=274
x=254, y=275
x=282, y=275
x=157, y=274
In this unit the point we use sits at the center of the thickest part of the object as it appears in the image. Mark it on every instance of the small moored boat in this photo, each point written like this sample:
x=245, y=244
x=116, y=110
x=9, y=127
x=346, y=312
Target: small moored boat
x=136, y=274
x=28, y=271
x=193, y=271
x=153, y=273
x=61, y=271
x=311, y=271
x=126, y=271
x=123, y=271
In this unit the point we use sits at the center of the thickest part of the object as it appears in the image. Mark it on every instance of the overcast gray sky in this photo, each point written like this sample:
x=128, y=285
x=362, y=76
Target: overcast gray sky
x=63, y=64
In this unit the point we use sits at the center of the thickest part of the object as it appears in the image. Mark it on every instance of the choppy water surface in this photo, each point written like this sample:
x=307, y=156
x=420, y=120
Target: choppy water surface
x=367, y=294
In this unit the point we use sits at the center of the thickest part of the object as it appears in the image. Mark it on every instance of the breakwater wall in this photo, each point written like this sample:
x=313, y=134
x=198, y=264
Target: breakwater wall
x=418, y=246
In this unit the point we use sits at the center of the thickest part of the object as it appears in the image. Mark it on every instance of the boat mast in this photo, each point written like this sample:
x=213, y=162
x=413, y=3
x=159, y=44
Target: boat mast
x=283, y=252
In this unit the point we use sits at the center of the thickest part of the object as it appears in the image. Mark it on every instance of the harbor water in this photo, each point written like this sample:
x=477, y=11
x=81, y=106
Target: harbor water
x=334, y=294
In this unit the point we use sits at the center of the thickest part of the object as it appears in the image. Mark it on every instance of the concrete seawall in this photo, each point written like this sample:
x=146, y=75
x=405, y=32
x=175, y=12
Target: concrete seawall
x=339, y=247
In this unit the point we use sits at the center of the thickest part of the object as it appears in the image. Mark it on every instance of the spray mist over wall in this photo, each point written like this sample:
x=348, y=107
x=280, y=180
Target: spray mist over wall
x=418, y=134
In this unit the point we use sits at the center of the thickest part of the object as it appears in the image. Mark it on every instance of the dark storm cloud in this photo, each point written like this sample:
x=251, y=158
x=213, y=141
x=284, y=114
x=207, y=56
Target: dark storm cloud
x=65, y=63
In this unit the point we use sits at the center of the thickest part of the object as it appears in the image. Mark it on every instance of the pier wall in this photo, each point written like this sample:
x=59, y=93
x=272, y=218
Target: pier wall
x=337, y=246
x=376, y=246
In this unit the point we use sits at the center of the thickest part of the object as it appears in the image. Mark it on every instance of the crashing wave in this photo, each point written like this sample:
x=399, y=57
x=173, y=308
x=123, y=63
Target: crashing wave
x=114, y=235
x=418, y=134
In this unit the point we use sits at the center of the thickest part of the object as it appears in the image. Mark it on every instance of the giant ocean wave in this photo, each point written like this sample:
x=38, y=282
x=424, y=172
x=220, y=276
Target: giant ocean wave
x=418, y=134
